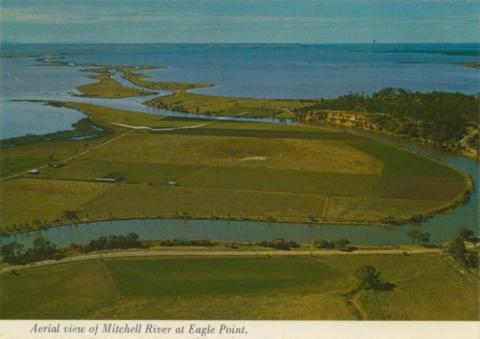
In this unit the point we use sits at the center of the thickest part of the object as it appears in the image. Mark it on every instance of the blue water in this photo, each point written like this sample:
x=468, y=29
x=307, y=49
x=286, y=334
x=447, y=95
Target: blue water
x=19, y=118
x=251, y=70
x=21, y=79
x=301, y=71
x=284, y=71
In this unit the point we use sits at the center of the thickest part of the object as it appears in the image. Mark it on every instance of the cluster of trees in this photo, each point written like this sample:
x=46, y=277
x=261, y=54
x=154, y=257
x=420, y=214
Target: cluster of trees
x=341, y=244
x=15, y=254
x=182, y=242
x=418, y=236
x=114, y=242
x=42, y=249
x=437, y=116
x=458, y=250
x=280, y=244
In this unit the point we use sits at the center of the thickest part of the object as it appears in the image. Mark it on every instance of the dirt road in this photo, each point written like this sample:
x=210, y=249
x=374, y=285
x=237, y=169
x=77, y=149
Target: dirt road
x=69, y=158
x=220, y=253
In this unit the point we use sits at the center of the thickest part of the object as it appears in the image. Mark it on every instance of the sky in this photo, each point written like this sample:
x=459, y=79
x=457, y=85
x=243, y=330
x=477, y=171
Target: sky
x=276, y=21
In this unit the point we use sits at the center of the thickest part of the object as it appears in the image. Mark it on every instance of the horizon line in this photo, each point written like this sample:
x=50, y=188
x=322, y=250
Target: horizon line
x=240, y=42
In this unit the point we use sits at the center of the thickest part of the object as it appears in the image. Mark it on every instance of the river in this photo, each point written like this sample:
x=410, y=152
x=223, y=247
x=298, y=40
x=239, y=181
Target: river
x=442, y=227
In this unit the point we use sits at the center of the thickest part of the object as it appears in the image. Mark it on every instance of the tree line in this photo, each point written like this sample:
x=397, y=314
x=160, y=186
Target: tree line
x=282, y=244
x=42, y=249
x=341, y=244
x=459, y=251
x=111, y=242
x=437, y=116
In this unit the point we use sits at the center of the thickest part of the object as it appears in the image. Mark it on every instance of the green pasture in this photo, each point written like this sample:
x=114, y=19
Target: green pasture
x=236, y=170
x=402, y=163
x=426, y=287
x=143, y=200
x=294, y=154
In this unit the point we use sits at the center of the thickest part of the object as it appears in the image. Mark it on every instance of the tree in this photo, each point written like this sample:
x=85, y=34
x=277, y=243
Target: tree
x=440, y=116
x=281, y=244
x=414, y=234
x=424, y=237
x=457, y=250
x=42, y=249
x=417, y=235
x=323, y=244
x=466, y=234
x=341, y=243
x=368, y=276
x=471, y=259
x=417, y=218
x=70, y=215
x=92, y=245
x=460, y=253
x=12, y=253
x=132, y=240
x=102, y=243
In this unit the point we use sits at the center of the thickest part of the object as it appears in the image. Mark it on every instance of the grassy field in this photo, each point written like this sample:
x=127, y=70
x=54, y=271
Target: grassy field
x=184, y=101
x=237, y=170
x=427, y=287
x=106, y=87
x=32, y=197
x=17, y=159
x=139, y=79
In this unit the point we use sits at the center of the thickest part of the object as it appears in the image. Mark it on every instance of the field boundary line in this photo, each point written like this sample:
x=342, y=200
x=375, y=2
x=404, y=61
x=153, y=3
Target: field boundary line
x=75, y=156
x=110, y=278
x=352, y=304
x=325, y=208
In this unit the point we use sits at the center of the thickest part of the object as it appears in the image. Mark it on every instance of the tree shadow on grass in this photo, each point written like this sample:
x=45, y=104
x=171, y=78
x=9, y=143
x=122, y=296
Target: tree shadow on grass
x=385, y=286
